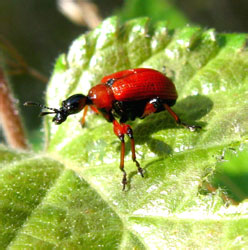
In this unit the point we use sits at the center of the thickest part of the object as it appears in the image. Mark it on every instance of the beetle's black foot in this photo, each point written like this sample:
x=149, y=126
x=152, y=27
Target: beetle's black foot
x=140, y=170
x=82, y=124
x=191, y=127
x=124, y=181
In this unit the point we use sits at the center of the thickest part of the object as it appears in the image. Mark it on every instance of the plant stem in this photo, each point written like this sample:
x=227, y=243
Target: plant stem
x=81, y=12
x=9, y=116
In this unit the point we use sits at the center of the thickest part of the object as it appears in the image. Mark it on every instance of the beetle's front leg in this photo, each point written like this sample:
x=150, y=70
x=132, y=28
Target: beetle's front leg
x=82, y=121
x=120, y=130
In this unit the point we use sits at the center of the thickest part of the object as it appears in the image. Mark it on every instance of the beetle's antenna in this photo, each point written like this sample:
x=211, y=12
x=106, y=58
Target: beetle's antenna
x=47, y=113
x=43, y=107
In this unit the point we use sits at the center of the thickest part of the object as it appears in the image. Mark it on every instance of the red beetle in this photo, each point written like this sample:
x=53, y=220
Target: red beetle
x=124, y=95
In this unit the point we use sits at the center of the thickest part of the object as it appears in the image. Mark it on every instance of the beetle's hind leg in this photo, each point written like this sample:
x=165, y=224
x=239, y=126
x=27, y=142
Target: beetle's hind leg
x=156, y=104
x=152, y=106
x=177, y=119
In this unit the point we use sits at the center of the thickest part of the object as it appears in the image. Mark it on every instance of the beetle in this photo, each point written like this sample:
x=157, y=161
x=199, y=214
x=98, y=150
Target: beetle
x=124, y=95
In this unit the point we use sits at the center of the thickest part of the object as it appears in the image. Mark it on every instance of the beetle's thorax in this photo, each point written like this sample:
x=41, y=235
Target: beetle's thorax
x=101, y=96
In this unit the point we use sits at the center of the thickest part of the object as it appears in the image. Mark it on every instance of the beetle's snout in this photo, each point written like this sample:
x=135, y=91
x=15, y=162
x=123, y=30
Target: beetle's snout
x=59, y=117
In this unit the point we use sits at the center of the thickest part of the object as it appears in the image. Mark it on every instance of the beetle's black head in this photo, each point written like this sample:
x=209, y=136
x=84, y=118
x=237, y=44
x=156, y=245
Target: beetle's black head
x=70, y=106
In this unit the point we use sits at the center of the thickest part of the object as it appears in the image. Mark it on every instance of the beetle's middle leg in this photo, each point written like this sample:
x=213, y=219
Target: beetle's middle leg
x=129, y=132
x=120, y=129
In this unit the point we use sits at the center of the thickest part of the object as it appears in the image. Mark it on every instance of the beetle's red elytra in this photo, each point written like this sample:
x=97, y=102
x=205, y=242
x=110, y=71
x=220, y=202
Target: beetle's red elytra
x=124, y=95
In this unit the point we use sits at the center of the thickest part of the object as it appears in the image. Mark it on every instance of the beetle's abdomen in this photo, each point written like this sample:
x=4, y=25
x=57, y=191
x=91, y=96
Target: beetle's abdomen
x=142, y=84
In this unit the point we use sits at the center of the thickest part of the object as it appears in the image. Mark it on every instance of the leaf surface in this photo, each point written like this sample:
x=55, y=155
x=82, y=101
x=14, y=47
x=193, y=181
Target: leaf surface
x=71, y=196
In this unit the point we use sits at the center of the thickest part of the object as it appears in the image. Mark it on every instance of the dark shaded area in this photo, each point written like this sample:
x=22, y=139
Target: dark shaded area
x=190, y=109
x=224, y=15
x=232, y=175
x=40, y=33
x=193, y=107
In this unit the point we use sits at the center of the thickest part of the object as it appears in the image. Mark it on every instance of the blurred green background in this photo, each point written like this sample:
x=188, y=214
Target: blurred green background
x=40, y=33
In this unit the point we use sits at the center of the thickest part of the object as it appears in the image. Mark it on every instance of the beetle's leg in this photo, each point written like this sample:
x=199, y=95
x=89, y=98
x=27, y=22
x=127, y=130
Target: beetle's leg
x=120, y=130
x=82, y=121
x=149, y=108
x=153, y=105
x=177, y=119
x=119, y=133
x=94, y=109
x=86, y=108
x=124, y=179
x=129, y=132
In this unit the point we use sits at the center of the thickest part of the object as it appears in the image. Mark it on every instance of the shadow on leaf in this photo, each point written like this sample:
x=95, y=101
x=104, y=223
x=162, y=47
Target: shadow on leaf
x=189, y=110
x=231, y=176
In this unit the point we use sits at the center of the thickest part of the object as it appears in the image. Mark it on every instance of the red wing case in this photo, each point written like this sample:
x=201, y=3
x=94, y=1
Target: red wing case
x=141, y=84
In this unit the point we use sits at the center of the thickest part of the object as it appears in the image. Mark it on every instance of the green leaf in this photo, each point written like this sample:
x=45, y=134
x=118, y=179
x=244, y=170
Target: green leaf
x=71, y=197
x=231, y=174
